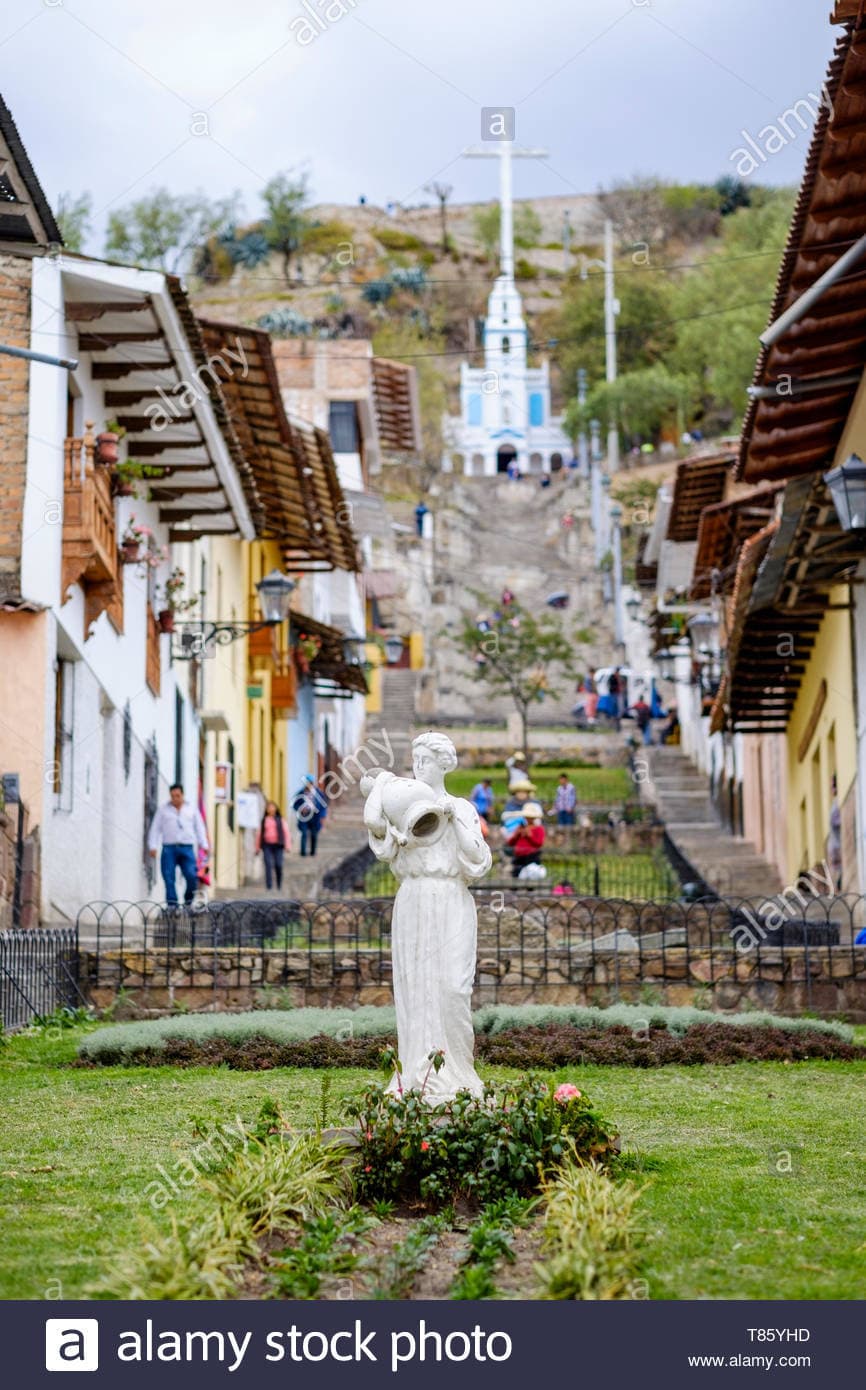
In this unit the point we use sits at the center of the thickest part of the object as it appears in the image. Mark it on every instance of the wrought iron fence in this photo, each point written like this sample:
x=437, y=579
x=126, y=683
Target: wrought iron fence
x=529, y=946
x=38, y=974
x=640, y=876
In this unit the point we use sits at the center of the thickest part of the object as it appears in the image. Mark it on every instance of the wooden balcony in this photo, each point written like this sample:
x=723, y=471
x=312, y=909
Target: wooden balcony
x=284, y=691
x=261, y=645
x=90, y=555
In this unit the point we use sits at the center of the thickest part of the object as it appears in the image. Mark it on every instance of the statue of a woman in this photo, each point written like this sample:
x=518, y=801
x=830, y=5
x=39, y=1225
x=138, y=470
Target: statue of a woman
x=434, y=845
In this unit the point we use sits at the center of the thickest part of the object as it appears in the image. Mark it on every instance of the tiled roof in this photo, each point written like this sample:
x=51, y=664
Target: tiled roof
x=699, y=483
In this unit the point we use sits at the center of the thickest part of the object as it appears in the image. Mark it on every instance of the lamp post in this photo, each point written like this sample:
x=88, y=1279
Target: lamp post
x=393, y=649
x=847, y=487
x=616, y=547
x=194, y=639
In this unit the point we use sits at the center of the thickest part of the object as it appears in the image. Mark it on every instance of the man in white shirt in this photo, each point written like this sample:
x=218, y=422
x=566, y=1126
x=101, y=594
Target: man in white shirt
x=180, y=829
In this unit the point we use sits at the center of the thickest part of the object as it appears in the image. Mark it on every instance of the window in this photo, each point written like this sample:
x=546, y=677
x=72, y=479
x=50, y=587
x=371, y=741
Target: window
x=506, y=345
x=343, y=427
x=473, y=409
x=536, y=408
x=64, y=716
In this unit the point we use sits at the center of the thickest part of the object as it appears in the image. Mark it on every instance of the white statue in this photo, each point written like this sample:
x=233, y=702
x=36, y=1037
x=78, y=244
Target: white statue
x=434, y=845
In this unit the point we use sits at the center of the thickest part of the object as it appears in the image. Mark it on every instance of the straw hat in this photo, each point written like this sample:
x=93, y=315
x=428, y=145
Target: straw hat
x=522, y=786
x=532, y=811
x=519, y=757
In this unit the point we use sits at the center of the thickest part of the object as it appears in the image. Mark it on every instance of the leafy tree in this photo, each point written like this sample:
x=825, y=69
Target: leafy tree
x=73, y=218
x=644, y=329
x=733, y=193
x=515, y=654
x=487, y=221
x=163, y=230
x=718, y=348
x=643, y=402
x=285, y=225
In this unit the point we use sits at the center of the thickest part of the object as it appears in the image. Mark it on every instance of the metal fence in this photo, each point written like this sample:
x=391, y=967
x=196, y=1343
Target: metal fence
x=38, y=974
x=526, y=942
x=639, y=876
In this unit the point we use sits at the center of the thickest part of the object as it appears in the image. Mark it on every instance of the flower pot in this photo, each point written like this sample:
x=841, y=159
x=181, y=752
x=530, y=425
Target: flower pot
x=165, y=618
x=106, y=447
x=129, y=552
x=122, y=487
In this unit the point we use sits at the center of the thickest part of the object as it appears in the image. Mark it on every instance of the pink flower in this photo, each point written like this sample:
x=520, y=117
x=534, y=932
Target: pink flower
x=566, y=1092
x=424, y=1146
x=369, y=1134
x=368, y=1169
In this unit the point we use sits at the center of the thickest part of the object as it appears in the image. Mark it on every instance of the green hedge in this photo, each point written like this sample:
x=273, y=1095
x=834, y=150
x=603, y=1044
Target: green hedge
x=299, y=1025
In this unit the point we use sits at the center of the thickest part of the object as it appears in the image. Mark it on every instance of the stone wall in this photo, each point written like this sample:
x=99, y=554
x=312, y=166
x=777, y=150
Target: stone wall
x=790, y=981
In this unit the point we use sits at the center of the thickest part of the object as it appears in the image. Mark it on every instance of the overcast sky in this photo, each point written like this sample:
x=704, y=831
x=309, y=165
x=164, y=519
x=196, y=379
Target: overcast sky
x=107, y=94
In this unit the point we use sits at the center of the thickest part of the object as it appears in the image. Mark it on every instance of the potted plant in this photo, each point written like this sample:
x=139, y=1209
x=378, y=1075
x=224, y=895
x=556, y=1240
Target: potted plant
x=306, y=650
x=125, y=477
x=131, y=541
x=175, y=602
x=107, y=443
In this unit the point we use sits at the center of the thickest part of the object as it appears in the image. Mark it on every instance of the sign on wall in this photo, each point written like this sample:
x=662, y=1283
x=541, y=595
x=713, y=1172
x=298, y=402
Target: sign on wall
x=222, y=783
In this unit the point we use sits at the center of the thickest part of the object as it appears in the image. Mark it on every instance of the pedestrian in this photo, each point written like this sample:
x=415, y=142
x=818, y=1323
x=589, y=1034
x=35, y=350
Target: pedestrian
x=565, y=801
x=272, y=840
x=643, y=718
x=420, y=512
x=526, y=841
x=310, y=808
x=179, y=828
x=517, y=769
x=482, y=797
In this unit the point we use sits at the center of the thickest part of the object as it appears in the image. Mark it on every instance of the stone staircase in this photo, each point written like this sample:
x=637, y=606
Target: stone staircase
x=727, y=862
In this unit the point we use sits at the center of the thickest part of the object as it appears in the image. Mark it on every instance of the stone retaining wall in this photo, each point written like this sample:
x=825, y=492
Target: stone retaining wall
x=829, y=981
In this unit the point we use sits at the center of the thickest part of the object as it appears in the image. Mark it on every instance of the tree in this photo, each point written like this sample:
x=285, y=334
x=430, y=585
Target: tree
x=162, y=231
x=442, y=192
x=73, y=218
x=644, y=402
x=285, y=225
x=330, y=241
x=644, y=329
x=514, y=654
x=488, y=219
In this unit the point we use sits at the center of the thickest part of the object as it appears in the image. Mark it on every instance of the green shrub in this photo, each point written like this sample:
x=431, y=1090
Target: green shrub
x=483, y=1147
x=590, y=1235
x=393, y=239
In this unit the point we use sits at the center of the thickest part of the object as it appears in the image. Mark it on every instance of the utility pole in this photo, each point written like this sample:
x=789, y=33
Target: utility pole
x=611, y=309
x=582, y=451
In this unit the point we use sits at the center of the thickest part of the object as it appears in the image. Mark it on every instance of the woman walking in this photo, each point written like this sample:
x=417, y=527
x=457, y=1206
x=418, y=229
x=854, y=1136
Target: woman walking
x=273, y=840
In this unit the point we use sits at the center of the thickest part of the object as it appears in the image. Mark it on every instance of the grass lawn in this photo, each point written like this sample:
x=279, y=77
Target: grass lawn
x=619, y=875
x=595, y=785
x=724, y=1217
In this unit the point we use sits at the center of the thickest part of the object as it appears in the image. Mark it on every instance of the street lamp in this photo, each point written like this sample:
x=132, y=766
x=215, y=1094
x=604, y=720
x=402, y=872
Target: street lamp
x=353, y=645
x=275, y=592
x=393, y=649
x=194, y=640
x=701, y=628
x=632, y=607
x=847, y=485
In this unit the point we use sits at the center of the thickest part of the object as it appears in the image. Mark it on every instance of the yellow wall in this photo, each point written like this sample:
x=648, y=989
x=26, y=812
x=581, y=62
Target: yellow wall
x=267, y=733
x=416, y=651
x=832, y=747
x=225, y=693
x=375, y=656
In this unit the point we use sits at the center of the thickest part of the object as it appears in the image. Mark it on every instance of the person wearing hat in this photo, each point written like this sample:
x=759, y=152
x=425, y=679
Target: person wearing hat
x=527, y=838
x=519, y=795
x=517, y=769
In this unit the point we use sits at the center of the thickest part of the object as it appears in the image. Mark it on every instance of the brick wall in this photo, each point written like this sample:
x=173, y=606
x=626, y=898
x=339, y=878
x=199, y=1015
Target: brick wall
x=15, y=275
